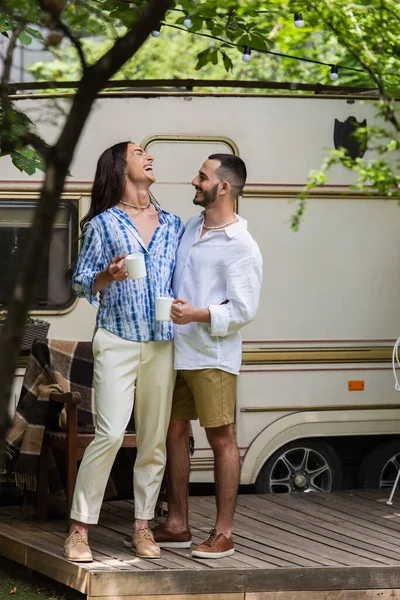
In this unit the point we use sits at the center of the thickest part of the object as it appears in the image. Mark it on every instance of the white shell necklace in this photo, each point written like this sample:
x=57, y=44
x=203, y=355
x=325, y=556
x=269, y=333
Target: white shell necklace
x=219, y=226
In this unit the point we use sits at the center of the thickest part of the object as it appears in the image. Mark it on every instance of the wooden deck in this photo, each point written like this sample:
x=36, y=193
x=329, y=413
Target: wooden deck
x=312, y=546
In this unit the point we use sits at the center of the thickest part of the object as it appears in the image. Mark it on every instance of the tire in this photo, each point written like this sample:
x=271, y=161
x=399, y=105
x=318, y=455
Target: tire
x=302, y=466
x=379, y=467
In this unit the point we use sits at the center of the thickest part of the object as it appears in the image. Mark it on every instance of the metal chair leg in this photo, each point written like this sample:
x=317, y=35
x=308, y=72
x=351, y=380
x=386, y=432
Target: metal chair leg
x=390, y=501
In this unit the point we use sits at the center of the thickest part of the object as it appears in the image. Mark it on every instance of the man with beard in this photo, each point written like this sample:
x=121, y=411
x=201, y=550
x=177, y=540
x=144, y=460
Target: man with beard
x=217, y=285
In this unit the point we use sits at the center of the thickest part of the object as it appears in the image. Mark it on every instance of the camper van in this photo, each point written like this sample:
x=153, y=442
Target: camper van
x=317, y=406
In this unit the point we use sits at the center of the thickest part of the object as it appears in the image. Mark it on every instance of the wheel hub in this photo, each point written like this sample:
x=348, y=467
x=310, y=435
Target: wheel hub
x=301, y=469
x=300, y=481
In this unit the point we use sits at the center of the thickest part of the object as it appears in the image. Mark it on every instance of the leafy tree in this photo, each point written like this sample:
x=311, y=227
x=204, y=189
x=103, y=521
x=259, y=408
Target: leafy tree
x=361, y=38
x=22, y=142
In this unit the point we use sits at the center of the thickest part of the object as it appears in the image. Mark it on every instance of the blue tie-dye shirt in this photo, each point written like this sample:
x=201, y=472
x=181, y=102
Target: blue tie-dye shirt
x=127, y=308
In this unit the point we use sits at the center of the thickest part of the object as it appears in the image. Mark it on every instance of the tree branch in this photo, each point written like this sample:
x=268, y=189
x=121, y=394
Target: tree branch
x=74, y=40
x=7, y=67
x=59, y=159
x=96, y=76
x=28, y=137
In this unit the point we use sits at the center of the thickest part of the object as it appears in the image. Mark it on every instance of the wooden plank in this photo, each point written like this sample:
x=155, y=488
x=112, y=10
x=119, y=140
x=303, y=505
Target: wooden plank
x=306, y=540
x=269, y=536
x=234, y=581
x=329, y=595
x=27, y=533
x=361, y=543
x=43, y=562
x=52, y=542
x=105, y=537
x=351, y=509
x=114, y=516
x=245, y=556
x=118, y=523
x=335, y=546
x=172, y=559
x=380, y=496
x=245, y=542
x=368, y=499
x=365, y=505
x=302, y=510
x=177, y=597
x=305, y=506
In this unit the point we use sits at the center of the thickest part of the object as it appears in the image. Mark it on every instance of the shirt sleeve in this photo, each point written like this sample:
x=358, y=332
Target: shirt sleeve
x=90, y=263
x=244, y=280
x=180, y=228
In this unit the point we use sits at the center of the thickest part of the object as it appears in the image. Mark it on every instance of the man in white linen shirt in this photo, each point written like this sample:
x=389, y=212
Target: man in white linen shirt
x=217, y=285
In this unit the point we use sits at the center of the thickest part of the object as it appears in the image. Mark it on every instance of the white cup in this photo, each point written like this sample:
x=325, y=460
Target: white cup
x=163, y=308
x=135, y=265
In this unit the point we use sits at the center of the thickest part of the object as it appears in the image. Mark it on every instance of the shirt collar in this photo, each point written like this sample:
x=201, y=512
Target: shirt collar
x=236, y=228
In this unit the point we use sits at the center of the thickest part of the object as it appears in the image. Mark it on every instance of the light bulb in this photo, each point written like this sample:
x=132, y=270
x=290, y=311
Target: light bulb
x=246, y=54
x=156, y=31
x=187, y=22
x=298, y=21
x=334, y=74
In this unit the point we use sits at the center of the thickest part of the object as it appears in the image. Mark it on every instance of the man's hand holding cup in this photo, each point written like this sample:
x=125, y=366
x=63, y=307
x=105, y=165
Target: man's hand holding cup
x=183, y=312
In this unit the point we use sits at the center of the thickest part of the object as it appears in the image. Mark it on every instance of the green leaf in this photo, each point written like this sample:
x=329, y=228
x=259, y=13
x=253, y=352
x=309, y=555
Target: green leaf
x=203, y=59
x=25, y=38
x=34, y=33
x=228, y=64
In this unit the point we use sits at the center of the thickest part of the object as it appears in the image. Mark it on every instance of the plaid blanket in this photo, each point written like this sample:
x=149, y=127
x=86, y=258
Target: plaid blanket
x=62, y=366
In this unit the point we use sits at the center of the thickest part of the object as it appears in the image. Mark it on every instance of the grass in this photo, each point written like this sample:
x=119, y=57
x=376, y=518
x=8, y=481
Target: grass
x=17, y=583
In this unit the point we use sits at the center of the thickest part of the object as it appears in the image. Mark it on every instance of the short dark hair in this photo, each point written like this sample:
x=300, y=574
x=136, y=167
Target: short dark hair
x=232, y=169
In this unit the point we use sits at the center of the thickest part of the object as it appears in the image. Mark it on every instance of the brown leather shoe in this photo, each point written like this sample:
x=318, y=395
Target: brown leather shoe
x=76, y=547
x=167, y=538
x=215, y=546
x=143, y=544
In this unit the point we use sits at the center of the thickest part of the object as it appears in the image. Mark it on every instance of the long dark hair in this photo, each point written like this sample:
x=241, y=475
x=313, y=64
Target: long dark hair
x=109, y=181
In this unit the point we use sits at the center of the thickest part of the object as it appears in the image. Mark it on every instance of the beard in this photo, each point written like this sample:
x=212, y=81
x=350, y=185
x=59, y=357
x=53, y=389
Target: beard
x=207, y=197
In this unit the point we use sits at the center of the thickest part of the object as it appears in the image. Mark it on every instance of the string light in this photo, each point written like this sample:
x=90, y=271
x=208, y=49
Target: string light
x=246, y=54
x=298, y=20
x=261, y=50
x=187, y=22
x=334, y=74
x=156, y=31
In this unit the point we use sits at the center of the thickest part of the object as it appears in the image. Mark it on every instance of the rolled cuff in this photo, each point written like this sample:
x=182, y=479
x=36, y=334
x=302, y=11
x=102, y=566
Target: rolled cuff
x=84, y=289
x=219, y=320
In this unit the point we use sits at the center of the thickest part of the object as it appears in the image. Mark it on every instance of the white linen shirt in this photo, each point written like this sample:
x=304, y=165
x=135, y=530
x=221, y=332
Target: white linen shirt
x=222, y=265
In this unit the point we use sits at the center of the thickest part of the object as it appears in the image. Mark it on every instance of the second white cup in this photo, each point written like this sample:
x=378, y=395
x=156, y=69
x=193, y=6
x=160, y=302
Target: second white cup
x=135, y=265
x=163, y=308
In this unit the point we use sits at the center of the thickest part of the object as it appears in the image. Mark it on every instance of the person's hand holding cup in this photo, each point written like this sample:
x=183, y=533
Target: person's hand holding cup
x=116, y=268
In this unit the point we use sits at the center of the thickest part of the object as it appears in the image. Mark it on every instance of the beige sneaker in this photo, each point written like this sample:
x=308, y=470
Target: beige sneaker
x=76, y=547
x=143, y=544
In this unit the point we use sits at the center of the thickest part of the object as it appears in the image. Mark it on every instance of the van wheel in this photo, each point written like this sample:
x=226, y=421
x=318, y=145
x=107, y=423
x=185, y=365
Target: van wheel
x=303, y=466
x=379, y=467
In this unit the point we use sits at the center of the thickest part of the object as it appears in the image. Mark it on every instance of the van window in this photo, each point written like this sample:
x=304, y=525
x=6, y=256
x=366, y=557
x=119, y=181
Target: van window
x=53, y=290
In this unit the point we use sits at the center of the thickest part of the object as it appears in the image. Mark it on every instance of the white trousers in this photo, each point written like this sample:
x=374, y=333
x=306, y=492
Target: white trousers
x=127, y=375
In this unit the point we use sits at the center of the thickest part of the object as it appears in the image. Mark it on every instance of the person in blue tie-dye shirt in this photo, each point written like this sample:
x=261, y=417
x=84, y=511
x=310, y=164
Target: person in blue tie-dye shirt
x=133, y=353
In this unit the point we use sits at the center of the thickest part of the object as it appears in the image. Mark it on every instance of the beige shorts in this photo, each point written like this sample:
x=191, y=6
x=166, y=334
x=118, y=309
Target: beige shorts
x=205, y=394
